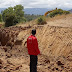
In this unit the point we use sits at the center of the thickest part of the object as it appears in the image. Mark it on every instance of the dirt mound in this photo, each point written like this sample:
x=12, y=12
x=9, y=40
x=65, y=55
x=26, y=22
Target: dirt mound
x=61, y=21
x=9, y=35
x=55, y=43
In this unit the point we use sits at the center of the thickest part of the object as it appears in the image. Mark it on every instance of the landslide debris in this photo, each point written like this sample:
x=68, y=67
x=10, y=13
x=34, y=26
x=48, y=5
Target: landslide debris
x=55, y=44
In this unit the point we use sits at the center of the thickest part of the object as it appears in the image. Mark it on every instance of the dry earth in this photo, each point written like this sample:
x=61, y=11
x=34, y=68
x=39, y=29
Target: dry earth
x=55, y=44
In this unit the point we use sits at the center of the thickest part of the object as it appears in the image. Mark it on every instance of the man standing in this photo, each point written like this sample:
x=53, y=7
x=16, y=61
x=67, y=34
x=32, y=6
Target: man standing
x=33, y=51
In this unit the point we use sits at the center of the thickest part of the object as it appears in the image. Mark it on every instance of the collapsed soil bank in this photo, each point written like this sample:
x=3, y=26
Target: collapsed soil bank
x=52, y=40
x=55, y=44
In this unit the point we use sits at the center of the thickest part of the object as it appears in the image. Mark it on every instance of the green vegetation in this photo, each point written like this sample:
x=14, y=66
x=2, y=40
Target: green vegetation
x=41, y=21
x=18, y=10
x=10, y=20
x=29, y=17
x=58, y=11
x=0, y=18
x=13, y=15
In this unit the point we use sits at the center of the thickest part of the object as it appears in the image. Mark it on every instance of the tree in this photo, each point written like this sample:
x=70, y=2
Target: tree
x=13, y=15
x=0, y=18
x=18, y=10
x=10, y=20
x=7, y=12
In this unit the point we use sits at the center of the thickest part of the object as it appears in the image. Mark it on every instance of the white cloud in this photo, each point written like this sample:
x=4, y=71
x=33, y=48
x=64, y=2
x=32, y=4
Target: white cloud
x=8, y=3
x=37, y=3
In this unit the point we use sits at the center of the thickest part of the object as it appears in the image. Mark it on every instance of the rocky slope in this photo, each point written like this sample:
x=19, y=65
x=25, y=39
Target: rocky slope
x=55, y=44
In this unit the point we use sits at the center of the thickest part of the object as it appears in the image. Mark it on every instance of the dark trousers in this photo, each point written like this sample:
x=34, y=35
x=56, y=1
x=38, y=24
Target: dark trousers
x=33, y=63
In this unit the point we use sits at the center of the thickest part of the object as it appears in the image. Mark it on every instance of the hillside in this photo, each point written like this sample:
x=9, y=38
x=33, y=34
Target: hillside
x=70, y=10
x=55, y=44
x=36, y=11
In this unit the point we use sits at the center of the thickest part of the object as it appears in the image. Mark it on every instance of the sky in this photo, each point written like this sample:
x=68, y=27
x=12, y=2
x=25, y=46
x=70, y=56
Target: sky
x=50, y=4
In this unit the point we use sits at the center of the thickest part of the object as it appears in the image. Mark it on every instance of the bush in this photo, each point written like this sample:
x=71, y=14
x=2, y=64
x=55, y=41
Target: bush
x=29, y=17
x=41, y=21
x=66, y=12
x=10, y=20
x=58, y=11
x=13, y=15
x=0, y=18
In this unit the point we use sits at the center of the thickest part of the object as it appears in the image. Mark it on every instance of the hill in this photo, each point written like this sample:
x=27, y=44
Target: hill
x=55, y=44
x=36, y=11
x=70, y=10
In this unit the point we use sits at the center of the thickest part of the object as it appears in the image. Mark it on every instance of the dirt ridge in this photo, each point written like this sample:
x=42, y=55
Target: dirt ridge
x=55, y=44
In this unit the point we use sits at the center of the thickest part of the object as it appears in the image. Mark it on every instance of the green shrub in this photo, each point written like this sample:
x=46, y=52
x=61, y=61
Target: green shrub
x=0, y=18
x=16, y=15
x=29, y=17
x=66, y=12
x=41, y=21
x=10, y=20
x=58, y=11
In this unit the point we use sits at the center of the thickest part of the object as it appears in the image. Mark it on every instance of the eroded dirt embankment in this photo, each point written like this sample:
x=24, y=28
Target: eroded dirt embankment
x=55, y=44
x=55, y=41
x=12, y=54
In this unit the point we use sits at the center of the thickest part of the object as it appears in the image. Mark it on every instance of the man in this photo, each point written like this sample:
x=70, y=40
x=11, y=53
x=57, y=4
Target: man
x=33, y=51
